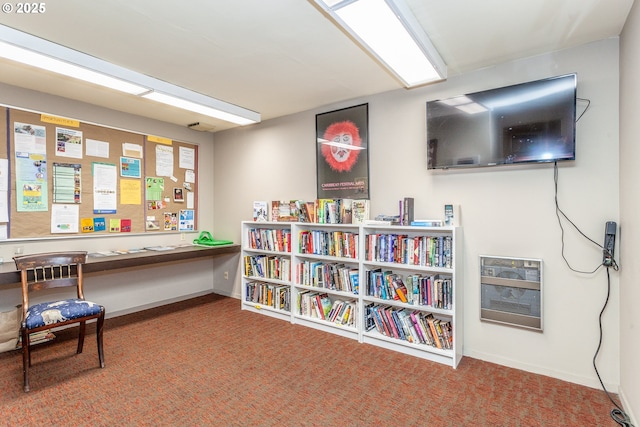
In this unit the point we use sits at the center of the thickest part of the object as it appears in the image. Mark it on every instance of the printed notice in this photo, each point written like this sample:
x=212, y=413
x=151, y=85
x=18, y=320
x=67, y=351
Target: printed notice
x=130, y=167
x=96, y=148
x=132, y=150
x=164, y=160
x=64, y=218
x=187, y=220
x=105, y=179
x=130, y=192
x=187, y=158
x=69, y=143
x=31, y=167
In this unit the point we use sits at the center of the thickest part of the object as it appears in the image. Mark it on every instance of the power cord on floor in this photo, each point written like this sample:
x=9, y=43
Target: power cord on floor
x=617, y=413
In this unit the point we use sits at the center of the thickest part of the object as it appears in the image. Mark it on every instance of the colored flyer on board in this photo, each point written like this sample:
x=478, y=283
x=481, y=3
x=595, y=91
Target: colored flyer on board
x=187, y=220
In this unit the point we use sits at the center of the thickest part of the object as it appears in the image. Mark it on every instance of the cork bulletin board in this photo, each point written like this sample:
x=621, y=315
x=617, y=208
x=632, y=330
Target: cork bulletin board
x=73, y=178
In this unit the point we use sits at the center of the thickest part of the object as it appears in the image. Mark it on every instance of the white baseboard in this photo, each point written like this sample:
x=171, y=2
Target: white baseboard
x=156, y=304
x=227, y=293
x=561, y=375
x=627, y=407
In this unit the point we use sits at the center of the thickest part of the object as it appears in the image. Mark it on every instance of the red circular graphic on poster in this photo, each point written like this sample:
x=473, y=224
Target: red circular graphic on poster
x=337, y=151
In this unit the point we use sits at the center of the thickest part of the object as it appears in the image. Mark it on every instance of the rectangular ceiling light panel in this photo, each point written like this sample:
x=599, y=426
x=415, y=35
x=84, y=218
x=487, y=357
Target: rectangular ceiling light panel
x=197, y=108
x=390, y=32
x=34, y=59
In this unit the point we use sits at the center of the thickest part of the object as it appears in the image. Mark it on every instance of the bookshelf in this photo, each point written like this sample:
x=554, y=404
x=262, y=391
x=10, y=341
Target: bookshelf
x=358, y=269
x=266, y=268
x=326, y=274
x=425, y=263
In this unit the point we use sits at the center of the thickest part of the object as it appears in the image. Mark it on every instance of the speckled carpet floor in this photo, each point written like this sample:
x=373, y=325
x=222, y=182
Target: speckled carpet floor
x=204, y=362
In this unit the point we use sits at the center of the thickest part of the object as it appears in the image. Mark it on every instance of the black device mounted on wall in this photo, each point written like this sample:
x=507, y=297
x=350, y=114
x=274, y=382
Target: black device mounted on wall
x=609, y=243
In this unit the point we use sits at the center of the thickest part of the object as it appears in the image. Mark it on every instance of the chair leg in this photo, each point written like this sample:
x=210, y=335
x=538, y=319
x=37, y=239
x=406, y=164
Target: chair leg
x=99, y=329
x=81, y=336
x=26, y=357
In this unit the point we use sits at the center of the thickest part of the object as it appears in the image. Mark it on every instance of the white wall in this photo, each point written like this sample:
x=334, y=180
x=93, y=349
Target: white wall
x=506, y=211
x=125, y=290
x=629, y=208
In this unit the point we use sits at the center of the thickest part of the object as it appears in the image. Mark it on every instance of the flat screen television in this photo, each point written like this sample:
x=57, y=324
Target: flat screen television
x=524, y=123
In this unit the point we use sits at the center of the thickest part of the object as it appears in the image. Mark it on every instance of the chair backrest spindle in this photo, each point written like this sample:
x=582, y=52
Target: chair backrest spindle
x=52, y=270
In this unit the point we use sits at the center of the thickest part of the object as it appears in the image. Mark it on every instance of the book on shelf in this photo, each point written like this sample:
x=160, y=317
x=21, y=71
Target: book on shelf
x=427, y=222
x=332, y=212
x=385, y=219
x=301, y=211
x=452, y=214
x=359, y=211
x=369, y=322
x=302, y=303
x=447, y=329
x=398, y=324
x=354, y=277
x=346, y=211
x=432, y=322
x=336, y=307
x=310, y=211
x=284, y=211
x=386, y=316
x=406, y=211
x=325, y=305
x=274, y=211
x=316, y=308
x=410, y=332
x=377, y=319
x=376, y=222
x=260, y=210
x=399, y=288
x=421, y=332
x=348, y=315
x=283, y=296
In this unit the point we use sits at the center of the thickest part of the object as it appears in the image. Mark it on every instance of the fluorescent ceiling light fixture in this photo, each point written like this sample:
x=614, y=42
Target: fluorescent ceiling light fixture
x=33, y=51
x=196, y=108
x=38, y=60
x=391, y=33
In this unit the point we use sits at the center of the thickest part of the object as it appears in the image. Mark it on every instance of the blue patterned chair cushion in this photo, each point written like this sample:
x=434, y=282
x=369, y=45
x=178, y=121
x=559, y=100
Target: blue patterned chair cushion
x=50, y=313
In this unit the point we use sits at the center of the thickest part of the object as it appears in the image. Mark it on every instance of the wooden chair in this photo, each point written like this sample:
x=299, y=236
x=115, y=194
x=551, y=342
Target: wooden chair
x=55, y=270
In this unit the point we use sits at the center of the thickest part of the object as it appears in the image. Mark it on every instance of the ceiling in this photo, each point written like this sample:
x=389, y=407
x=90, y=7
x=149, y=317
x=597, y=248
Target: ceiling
x=279, y=57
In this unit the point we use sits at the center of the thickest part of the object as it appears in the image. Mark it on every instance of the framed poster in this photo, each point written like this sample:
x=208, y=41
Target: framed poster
x=342, y=153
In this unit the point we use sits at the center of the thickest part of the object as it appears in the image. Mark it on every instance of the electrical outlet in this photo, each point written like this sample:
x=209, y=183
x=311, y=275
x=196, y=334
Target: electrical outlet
x=18, y=250
x=226, y=275
x=182, y=236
